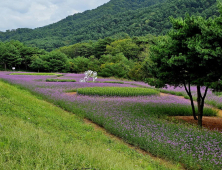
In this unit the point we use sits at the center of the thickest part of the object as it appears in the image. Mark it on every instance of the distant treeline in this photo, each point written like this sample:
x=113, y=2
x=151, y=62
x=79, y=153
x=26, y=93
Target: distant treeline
x=124, y=57
x=119, y=55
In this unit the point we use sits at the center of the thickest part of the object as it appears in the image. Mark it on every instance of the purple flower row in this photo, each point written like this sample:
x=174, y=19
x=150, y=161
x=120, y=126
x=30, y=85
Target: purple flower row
x=130, y=119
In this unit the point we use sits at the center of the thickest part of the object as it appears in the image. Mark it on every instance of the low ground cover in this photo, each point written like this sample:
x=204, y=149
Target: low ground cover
x=117, y=91
x=119, y=82
x=35, y=134
x=212, y=98
x=60, y=80
x=136, y=119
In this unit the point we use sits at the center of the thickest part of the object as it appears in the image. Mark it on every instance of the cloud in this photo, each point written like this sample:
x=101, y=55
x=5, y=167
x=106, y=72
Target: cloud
x=37, y=13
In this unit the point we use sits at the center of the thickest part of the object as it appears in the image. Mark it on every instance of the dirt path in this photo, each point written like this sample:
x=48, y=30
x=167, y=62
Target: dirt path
x=72, y=93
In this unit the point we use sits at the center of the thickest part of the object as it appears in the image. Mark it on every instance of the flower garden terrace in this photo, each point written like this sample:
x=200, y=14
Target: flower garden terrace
x=135, y=119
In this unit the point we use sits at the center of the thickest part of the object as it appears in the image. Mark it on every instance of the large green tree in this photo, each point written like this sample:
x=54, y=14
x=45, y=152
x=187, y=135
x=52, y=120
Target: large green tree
x=9, y=55
x=189, y=55
x=55, y=61
x=126, y=46
x=37, y=63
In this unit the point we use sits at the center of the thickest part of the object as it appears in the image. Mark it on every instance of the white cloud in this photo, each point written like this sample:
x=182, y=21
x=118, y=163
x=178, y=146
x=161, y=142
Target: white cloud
x=37, y=13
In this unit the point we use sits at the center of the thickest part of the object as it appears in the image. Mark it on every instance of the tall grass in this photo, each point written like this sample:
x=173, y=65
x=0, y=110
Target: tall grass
x=60, y=80
x=117, y=91
x=35, y=134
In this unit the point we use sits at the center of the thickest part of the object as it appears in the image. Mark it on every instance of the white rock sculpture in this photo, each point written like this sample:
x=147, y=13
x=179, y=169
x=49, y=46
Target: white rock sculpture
x=89, y=74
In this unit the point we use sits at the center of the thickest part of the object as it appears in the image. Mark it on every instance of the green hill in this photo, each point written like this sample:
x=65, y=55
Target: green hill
x=134, y=17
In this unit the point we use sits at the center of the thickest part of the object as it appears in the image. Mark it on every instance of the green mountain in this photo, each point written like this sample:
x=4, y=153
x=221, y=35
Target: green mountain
x=134, y=17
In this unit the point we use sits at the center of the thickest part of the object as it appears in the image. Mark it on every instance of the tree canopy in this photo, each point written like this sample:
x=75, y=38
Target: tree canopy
x=189, y=55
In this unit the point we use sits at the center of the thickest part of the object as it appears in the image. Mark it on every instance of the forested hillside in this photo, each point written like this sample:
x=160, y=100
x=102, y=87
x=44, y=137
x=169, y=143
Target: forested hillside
x=134, y=17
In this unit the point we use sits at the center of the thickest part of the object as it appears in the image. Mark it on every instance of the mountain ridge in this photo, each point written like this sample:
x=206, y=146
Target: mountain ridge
x=134, y=17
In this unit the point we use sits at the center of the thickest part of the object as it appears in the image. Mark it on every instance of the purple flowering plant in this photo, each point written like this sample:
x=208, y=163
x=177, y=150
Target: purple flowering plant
x=135, y=119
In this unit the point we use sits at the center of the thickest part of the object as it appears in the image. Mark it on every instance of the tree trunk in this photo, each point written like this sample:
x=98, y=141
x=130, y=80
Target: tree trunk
x=191, y=99
x=200, y=104
x=193, y=108
x=5, y=66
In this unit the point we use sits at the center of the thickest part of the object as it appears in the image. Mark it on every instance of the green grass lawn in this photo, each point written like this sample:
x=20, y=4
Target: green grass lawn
x=35, y=134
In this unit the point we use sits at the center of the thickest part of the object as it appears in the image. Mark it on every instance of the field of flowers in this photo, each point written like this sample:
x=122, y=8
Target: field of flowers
x=211, y=98
x=135, y=119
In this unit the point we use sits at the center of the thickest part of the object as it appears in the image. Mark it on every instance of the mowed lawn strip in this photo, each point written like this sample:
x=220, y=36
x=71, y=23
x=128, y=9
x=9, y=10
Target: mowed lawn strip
x=35, y=134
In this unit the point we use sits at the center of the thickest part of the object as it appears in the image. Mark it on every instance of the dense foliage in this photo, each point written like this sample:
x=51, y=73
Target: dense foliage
x=189, y=55
x=15, y=53
x=120, y=57
x=117, y=17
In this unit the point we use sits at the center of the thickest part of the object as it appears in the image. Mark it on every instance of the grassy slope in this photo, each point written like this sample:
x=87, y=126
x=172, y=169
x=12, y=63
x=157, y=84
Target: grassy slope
x=35, y=134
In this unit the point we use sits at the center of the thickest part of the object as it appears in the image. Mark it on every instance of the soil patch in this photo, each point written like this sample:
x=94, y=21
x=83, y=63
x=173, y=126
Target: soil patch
x=212, y=123
x=72, y=93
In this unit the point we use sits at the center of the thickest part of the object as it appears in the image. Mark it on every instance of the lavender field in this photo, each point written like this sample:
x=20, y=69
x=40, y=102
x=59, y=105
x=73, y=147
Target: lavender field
x=138, y=120
x=212, y=99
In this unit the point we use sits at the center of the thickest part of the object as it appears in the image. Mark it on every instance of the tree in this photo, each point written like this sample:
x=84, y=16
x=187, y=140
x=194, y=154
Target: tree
x=27, y=53
x=79, y=49
x=100, y=46
x=79, y=64
x=117, y=66
x=94, y=64
x=9, y=55
x=125, y=46
x=37, y=63
x=189, y=55
x=55, y=61
x=2, y=58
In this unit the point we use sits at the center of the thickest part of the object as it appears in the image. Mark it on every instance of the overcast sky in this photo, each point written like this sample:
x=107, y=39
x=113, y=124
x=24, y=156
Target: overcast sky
x=37, y=13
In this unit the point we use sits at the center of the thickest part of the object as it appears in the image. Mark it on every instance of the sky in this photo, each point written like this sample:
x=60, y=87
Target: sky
x=37, y=13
